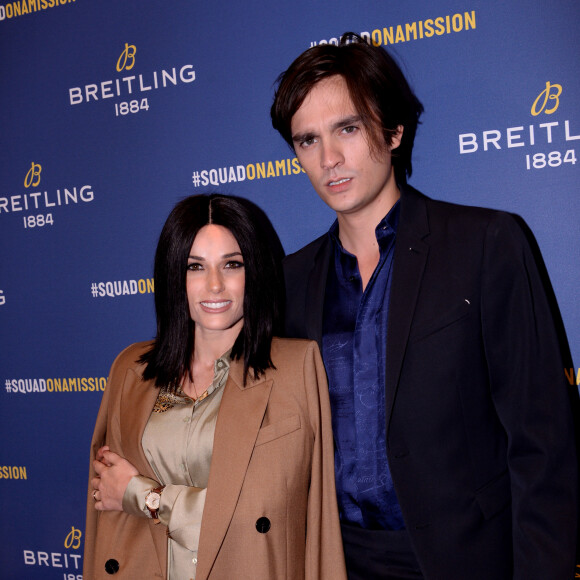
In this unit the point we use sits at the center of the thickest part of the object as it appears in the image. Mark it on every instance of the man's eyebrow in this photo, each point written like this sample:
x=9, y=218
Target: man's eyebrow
x=346, y=121
x=303, y=136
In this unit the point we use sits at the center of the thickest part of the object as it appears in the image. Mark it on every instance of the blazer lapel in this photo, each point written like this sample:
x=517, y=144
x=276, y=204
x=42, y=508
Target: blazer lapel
x=240, y=417
x=137, y=403
x=411, y=253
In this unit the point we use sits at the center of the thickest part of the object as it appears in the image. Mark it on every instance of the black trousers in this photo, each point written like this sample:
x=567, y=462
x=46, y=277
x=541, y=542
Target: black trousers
x=379, y=554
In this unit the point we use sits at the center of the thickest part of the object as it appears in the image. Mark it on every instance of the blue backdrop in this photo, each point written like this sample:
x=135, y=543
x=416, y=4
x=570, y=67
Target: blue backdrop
x=112, y=111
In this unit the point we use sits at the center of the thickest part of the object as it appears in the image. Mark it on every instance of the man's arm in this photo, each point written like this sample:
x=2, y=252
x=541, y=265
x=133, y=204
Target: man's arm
x=529, y=391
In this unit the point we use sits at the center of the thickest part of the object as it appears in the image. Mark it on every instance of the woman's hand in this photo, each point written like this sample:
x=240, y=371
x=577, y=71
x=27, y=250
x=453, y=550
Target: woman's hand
x=113, y=476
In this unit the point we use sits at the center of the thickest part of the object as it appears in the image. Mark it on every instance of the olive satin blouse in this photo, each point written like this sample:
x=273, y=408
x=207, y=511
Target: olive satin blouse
x=178, y=443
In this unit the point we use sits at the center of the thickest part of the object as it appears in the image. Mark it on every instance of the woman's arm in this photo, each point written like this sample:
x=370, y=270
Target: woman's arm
x=181, y=506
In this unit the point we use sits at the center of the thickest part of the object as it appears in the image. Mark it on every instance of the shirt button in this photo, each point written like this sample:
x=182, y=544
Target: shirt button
x=187, y=419
x=194, y=560
x=220, y=365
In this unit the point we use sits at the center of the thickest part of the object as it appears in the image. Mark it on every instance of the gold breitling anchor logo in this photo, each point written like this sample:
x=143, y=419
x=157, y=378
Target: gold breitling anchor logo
x=73, y=539
x=128, y=55
x=32, y=178
x=552, y=92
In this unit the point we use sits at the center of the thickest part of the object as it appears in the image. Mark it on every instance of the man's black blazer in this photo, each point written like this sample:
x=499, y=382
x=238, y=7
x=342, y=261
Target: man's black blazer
x=479, y=427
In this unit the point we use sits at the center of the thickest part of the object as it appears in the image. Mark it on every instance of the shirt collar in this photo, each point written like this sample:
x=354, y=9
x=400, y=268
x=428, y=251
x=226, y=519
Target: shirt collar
x=221, y=369
x=383, y=232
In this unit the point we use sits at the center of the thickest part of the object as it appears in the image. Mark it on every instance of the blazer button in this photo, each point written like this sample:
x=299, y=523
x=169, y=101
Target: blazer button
x=263, y=525
x=111, y=566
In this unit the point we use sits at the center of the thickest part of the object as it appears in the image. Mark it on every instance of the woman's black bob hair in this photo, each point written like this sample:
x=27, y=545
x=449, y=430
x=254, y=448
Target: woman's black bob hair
x=169, y=359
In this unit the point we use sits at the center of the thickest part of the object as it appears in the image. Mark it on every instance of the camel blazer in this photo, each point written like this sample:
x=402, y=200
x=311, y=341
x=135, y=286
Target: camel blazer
x=480, y=435
x=272, y=458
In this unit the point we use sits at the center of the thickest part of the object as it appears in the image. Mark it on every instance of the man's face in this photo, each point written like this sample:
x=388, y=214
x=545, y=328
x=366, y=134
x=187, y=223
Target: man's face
x=332, y=146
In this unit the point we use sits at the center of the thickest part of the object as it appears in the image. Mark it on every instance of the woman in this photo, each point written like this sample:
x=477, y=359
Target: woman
x=212, y=456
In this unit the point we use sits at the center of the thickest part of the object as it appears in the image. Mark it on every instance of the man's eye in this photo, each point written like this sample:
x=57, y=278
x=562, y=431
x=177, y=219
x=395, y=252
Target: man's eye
x=350, y=129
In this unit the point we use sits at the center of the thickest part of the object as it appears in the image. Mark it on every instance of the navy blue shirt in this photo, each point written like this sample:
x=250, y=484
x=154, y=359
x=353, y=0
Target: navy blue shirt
x=354, y=345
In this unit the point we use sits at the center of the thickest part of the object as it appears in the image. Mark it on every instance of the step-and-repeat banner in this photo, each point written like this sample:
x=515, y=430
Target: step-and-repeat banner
x=113, y=110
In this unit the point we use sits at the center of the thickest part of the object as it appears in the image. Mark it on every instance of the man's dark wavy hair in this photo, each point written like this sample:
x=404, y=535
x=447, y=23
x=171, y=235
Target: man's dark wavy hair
x=379, y=91
x=169, y=359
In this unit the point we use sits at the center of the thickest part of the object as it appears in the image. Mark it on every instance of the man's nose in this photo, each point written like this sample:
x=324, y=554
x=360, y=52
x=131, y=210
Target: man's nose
x=331, y=155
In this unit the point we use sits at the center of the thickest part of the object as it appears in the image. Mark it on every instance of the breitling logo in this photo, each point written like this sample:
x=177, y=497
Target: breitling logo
x=131, y=84
x=73, y=539
x=552, y=92
x=553, y=140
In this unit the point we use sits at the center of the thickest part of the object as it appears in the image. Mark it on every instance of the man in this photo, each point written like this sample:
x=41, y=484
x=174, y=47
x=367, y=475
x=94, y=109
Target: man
x=455, y=454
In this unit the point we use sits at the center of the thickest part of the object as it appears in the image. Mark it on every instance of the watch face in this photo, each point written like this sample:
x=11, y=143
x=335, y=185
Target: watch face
x=152, y=500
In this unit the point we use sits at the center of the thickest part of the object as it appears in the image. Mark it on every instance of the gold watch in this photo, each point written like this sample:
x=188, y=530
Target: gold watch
x=152, y=501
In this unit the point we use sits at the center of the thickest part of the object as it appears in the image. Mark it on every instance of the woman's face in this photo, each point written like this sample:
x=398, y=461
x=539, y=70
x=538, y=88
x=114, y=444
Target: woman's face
x=215, y=281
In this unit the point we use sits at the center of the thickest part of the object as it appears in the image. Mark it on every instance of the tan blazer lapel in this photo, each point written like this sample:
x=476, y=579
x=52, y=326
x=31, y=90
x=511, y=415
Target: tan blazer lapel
x=137, y=401
x=240, y=418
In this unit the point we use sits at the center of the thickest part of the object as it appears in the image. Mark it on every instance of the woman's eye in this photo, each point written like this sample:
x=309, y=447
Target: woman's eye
x=194, y=266
x=234, y=264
